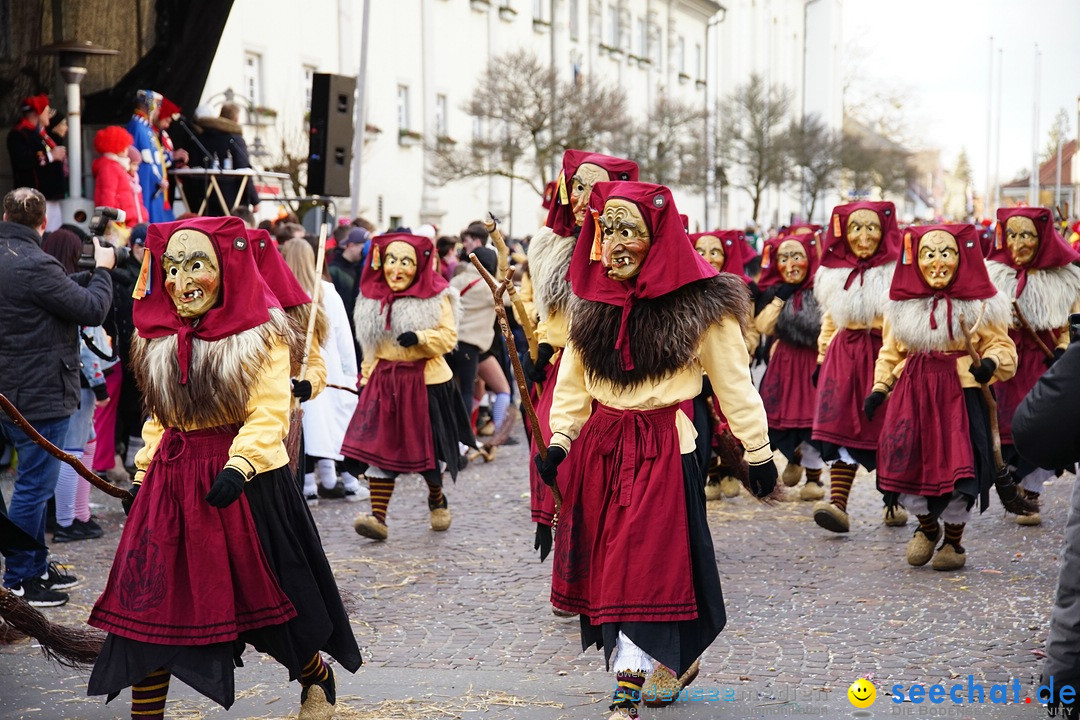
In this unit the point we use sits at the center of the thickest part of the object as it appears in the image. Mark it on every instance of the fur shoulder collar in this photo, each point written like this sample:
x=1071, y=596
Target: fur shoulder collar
x=860, y=304
x=220, y=376
x=800, y=328
x=408, y=315
x=549, y=261
x=664, y=332
x=910, y=320
x=1048, y=296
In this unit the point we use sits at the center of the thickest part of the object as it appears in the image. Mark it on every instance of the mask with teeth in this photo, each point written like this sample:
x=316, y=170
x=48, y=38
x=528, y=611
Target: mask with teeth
x=1022, y=238
x=581, y=186
x=939, y=256
x=626, y=239
x=192, y=273
x=792, y=260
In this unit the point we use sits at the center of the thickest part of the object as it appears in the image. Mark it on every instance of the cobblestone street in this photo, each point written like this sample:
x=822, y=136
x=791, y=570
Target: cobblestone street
x=458, y=624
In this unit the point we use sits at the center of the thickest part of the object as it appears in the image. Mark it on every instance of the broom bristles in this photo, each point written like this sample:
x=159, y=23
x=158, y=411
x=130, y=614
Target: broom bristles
x=69, y=646
x=292, y=440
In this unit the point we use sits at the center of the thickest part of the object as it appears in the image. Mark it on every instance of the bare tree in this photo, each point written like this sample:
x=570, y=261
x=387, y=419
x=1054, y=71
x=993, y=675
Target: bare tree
x=815, y=151
x=513, y=100
x=752, y=139
x=667, y=144
x=1059, y=134
x=871, y=160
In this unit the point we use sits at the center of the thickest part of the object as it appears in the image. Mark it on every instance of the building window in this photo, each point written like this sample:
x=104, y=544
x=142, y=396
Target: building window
x=253, y=78
x=654, y=51
x=477, y=129
x=680, y=55
x=538, y=9
x=643, y=38
x=440, y=116
x=574, y=26
x=309, y=78
x=697, y=62
x=613, y=26
x=403, y=107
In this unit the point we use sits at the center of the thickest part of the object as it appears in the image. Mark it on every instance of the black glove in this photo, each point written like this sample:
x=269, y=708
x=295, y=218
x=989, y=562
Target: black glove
x=1058, y=352
x=784, y=290
x=549, y=468
x=814, y=377
x=872, y=403
x=227, y=488
x=100, y=392
x=983, y=371
x=128, y=502
x=407, y=339
x=537, y=371
x=301, y=389
x=762, y=479
x=543, y=540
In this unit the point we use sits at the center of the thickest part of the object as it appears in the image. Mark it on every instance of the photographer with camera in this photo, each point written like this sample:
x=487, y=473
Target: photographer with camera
x=41, y=308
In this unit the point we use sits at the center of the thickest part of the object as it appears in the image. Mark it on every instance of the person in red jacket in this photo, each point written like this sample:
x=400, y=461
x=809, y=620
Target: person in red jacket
x=112, y=182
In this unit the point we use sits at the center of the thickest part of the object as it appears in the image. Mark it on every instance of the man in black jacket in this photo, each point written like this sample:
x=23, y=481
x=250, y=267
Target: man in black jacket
x=41, y=309
x=222, y=137
x=1046, y=430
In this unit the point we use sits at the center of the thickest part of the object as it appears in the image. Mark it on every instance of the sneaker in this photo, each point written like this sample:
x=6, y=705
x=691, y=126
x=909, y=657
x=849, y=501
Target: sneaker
x=54, y=578
x=35, y=594
x=357, y=494
x=332, y=493
x=72, y=533
x=92, y=527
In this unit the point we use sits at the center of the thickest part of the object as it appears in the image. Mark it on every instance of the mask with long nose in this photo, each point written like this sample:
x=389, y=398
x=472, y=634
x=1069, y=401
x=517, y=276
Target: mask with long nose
x=581, y=186
x=939, y=256
x=864, y=233
x=626, y=239
x=192, y=274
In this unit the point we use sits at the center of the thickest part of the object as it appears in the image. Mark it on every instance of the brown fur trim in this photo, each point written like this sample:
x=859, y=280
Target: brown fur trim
x=220, y=375
x=298, y=320
x=664, y=332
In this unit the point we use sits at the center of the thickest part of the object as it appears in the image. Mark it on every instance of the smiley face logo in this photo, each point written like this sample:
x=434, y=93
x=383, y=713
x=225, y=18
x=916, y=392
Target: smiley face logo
x=862, y=693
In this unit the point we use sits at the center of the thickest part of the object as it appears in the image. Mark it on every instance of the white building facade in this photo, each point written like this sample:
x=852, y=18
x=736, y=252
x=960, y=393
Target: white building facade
x=425, y=57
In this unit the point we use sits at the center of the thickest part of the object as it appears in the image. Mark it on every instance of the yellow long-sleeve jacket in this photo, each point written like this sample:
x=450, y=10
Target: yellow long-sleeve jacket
x=433, y=344
x=721, y=353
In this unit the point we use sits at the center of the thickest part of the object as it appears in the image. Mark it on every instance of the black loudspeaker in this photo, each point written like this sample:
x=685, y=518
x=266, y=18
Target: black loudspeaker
x=331, y=136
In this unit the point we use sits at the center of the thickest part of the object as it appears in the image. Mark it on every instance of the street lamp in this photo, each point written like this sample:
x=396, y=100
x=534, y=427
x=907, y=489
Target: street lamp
x=73, y=55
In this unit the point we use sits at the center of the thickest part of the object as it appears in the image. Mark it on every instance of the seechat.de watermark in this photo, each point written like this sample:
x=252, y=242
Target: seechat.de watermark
x=862, y=694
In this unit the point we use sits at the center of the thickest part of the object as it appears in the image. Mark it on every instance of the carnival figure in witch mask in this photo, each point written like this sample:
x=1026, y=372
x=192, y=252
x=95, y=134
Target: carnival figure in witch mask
x=212, y=357
x=633, y=481
x=936, y=458
x=728, y=252
x=410, y=418
x=550, y=251
x=857, y=263
x=791, y=314
x=1033, y=266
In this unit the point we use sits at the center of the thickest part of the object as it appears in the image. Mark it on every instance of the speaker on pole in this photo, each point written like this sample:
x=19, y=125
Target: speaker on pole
x=331, y=136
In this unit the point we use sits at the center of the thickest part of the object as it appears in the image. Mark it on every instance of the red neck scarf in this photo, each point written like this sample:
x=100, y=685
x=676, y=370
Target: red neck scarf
x=1053, y=251
x=838, y=254
x=736, y=251
x=561, y=214
x=244, y=301
x=971, y=281
x=284, y=288
x=671, y=262
x=427, y=284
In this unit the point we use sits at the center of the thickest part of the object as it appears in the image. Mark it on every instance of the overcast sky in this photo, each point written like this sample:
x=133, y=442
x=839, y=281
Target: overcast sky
x=937, y=53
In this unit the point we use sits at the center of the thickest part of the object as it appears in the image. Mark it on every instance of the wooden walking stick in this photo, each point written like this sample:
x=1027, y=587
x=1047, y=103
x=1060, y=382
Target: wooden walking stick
x=519, y=374
x=296, y=413
x=83, y=471
x=492, y=225
x=1007, y=491
x=1030, y=330
x=354, y=391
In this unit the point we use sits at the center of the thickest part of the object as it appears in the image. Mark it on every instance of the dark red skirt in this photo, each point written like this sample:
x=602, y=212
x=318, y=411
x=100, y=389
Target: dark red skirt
x=622, y=550
x=787, y=390
x=391, y=426
x=185, y=572
x=541, y=501
x=927, y=448
x=846, y=378
x=1030, y=367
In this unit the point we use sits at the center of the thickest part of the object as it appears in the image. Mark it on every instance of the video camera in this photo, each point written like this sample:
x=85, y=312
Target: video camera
x=98, y=224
